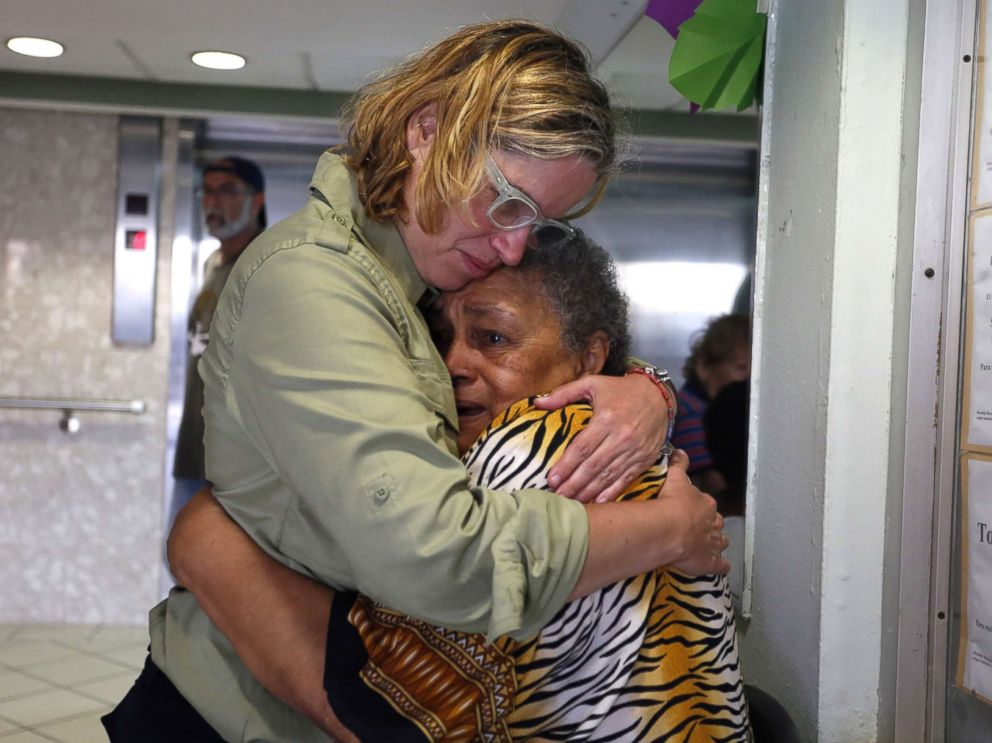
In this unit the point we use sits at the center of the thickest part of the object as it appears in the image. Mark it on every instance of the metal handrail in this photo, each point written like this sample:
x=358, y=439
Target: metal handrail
x=135, y=407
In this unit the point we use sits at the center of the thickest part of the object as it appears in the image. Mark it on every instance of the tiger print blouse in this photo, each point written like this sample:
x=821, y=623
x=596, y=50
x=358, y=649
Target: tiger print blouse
x=650, y=658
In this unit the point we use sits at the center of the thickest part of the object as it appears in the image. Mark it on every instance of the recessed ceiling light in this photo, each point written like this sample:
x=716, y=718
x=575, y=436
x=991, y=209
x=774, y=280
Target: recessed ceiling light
x=219, y=60
x=35, y=47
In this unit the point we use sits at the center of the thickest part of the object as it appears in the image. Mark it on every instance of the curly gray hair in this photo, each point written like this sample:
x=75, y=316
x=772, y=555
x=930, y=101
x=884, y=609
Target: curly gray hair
x=579, y=280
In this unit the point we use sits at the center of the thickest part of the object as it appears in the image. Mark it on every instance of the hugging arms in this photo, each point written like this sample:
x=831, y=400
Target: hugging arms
x=512, y=334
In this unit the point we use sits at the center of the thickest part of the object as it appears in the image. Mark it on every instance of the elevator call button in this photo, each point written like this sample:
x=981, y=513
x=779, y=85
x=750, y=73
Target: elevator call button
x=135, y=240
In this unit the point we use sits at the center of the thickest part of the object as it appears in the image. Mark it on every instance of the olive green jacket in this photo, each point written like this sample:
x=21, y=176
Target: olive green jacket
x=330, y=438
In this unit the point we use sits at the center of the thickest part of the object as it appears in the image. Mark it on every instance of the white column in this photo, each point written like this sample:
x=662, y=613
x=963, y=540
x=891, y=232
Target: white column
x=826, y=315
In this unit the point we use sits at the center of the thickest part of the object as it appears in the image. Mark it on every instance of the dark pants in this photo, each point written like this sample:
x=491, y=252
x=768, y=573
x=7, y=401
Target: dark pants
x=154, y=711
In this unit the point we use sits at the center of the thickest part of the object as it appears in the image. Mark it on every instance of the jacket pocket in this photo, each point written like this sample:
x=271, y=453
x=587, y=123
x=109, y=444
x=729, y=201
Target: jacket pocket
x=438, y=392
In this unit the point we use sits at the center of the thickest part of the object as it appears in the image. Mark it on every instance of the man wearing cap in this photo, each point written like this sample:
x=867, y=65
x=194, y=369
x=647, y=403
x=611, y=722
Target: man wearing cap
x=233, y=201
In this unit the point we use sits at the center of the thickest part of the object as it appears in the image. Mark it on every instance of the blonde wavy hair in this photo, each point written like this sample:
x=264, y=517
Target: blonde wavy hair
x=506, y=85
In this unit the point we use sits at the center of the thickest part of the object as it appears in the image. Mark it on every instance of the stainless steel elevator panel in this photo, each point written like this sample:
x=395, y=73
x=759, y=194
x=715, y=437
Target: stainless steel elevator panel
x=135, y=238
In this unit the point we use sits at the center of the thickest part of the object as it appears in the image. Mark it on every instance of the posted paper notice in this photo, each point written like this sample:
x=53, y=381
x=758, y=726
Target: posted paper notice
x=978, y=426
x=975, y=653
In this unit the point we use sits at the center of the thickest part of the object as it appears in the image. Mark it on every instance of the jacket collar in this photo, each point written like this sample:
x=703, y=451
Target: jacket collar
x=336, y=186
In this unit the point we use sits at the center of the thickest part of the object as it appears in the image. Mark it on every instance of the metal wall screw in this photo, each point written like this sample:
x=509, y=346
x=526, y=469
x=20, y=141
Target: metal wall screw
x=70, y=423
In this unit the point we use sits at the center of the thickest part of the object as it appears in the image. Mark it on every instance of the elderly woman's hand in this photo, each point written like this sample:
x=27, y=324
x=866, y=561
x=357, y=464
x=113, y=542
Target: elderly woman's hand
x=622, y=440
x=681, y=529
x=703, y=525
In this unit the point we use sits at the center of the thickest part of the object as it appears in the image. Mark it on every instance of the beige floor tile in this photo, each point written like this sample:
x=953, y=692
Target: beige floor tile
x=119, y=636
x=133, y=658
x=110, y=690
x=8, y=727
x=67, y=633
x=57, y=680
x=27, y=653
x=55, y=705
x=77, y=670
x=16, y=684
x=25, y=736
x=86, y=729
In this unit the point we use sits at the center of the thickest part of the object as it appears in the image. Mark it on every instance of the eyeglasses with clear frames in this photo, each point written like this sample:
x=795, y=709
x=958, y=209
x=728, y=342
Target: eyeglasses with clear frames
x=512, y=209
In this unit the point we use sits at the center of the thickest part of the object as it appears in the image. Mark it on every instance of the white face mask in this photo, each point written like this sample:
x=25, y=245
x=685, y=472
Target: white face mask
x=229, y=229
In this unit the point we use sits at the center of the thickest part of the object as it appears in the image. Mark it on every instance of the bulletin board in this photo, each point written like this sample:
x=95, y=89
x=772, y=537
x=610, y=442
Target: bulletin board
x=974, y=659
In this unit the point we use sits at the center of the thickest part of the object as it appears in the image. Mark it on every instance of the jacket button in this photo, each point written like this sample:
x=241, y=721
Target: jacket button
x=339, y=219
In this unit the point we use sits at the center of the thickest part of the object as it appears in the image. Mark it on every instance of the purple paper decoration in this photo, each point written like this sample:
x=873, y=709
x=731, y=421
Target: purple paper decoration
x=672, y=13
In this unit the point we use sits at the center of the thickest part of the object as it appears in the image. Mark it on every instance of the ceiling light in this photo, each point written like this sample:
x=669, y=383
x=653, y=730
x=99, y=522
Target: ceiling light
x=35, y=47
x=219, y=60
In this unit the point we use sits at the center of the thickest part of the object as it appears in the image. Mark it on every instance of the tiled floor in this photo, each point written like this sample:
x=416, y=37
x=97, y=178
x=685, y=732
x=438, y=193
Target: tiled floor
x=56, y=681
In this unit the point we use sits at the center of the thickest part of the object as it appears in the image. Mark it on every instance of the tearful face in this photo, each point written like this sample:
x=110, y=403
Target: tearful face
x=501, y=343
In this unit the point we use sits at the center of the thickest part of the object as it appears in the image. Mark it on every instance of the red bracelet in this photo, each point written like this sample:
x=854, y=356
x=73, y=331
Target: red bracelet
x=657, y=382
x=660, y=377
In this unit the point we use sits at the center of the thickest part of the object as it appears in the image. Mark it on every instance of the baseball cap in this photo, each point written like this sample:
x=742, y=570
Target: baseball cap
x=247, y=171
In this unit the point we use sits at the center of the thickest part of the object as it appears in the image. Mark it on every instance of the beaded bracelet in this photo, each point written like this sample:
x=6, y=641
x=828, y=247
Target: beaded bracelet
x=663, y=382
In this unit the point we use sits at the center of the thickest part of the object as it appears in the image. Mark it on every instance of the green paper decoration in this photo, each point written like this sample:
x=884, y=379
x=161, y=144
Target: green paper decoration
x=718, y=54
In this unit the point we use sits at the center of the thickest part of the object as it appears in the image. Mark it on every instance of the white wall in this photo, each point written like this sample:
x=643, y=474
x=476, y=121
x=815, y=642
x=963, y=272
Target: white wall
x=80, y=516
x=830, y=247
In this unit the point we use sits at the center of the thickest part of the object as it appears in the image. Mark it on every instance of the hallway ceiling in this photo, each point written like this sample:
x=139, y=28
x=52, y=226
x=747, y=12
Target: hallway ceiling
x=326, y=45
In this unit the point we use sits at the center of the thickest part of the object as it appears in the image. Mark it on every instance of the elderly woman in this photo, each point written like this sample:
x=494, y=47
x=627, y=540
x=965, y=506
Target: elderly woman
x=331, y=425
x=637, y=660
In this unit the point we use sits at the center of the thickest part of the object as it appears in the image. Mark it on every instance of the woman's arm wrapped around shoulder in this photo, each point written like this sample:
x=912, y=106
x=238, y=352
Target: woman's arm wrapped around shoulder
x=275, y=618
